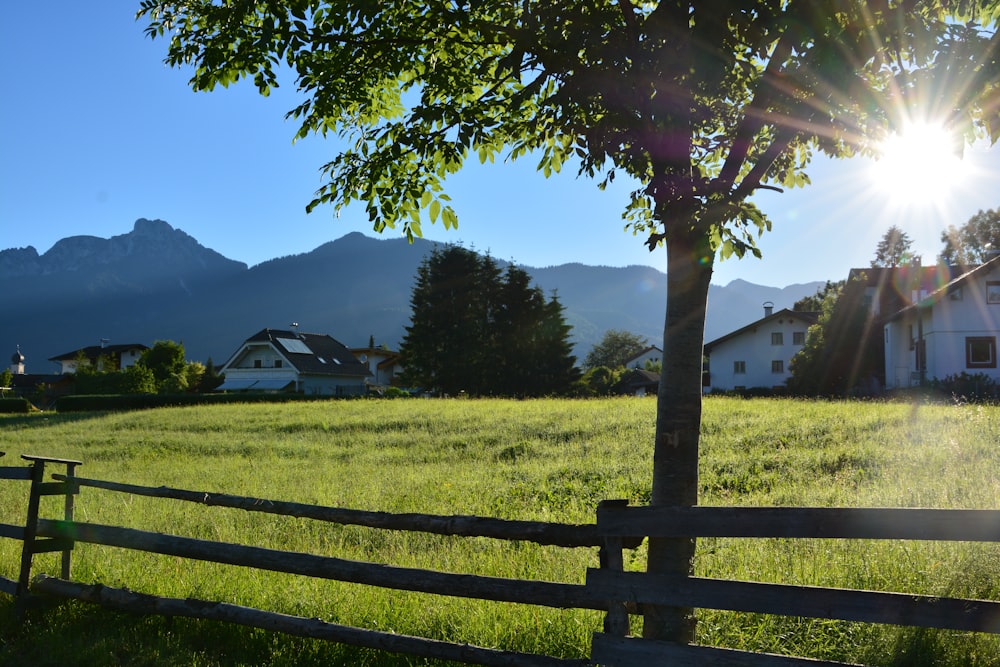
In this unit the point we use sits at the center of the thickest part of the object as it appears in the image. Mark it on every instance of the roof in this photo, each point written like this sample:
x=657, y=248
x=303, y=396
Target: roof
x=651, y=348
x=95, y=351
x=940, y=293
x=635, y=378
x=310, y=354
x=807, y=316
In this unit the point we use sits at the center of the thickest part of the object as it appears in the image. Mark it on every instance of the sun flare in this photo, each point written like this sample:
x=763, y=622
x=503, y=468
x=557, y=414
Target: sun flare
x=919, y=165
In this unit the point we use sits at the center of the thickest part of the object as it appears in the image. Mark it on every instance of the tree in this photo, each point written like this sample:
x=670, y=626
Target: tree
x=701, y=104
x=893, y=249
x=478, y=330
x=814, y=303
x=842, y=354
x=166, y=361
x=615, y=348
x=973, y=242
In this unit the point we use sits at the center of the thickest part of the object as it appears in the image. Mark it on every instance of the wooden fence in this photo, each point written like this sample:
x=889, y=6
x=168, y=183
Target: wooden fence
x=607, y=588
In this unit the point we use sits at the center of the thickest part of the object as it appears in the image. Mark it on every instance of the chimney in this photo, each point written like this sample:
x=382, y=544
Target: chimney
x=768, y=308
x=295, y=328
x=104, y=342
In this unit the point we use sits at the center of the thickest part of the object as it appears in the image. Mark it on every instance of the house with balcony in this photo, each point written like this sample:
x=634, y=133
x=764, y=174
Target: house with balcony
x=280, y=360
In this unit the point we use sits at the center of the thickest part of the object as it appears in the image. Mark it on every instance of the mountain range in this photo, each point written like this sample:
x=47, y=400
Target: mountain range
x=158, y=283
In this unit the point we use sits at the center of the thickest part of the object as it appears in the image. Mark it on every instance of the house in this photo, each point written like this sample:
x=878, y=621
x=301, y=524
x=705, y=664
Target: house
x=103, y=357
x=383, y=363
x=651, y=354
x=637, y=382
x=758, y=355
x=286, y=360
x=950, y=331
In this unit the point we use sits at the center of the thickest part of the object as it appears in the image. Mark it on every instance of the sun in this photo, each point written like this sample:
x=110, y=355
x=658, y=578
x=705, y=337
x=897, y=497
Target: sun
x=919, y=165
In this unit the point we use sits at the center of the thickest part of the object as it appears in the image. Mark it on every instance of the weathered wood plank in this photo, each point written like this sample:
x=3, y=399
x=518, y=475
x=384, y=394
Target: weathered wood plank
x=612, y=651
x=50, y=459
x=294, y=625
x=8, y=586
x=58, y=488
x=555, y=534
x=801, y=522
x=808, y=601
x=542, y=593
x=12, y=472
x=46, y=546
x=13, y=532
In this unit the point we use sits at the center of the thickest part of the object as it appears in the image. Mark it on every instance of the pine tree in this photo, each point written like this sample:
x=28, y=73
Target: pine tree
x=893, y=249
x=478, y=330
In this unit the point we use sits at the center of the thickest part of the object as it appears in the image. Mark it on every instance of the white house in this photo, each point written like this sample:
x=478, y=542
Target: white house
x=758, y=355
x=279, y=360
x=951, y=331
x=651, y=354
x=382, y=363
x=103, y=356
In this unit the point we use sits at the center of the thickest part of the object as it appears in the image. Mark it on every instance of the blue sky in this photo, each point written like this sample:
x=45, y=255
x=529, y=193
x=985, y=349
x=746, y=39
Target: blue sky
x=95, y=132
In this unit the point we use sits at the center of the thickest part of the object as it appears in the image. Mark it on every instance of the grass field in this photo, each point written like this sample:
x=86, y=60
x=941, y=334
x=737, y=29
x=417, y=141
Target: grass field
x=550, y=460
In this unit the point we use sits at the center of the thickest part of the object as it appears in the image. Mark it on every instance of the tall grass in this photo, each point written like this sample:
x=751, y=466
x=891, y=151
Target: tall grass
x=551, y=460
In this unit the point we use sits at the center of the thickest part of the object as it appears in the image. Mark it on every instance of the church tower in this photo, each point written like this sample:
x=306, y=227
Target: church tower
x=17, y=362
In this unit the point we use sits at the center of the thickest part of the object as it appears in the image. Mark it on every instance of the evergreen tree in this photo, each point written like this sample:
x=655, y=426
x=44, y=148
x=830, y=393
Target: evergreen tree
x=482, y=331
x=893, y=249
x=554, y=368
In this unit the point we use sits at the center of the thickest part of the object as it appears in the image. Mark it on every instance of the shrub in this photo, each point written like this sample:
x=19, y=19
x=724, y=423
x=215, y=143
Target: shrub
x=14, y=405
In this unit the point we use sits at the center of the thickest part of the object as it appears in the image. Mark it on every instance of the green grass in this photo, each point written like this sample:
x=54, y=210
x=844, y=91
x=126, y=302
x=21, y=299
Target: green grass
x=550, y=460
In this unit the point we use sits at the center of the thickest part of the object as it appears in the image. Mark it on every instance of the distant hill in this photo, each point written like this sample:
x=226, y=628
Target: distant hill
x=158, y=283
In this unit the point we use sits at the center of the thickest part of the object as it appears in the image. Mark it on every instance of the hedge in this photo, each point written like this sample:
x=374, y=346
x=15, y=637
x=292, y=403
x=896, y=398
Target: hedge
x=120, y=402
x=14, y=405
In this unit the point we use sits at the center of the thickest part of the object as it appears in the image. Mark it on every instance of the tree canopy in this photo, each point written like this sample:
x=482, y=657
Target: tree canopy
x=973, y=242
x=615, y=348
x=893, y=249
x=483, y=331
x=700, y=104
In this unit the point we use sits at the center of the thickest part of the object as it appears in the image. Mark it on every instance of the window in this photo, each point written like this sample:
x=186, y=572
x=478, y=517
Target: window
x=993, y=292
x=256, y=363
x=277, y=363
x=799, y=338
x=778, y=366
x=777, y=338
x=981, y=352
x=740, y=367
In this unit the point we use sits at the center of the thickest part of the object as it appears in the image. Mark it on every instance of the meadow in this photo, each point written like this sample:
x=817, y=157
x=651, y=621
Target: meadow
x=548, y=460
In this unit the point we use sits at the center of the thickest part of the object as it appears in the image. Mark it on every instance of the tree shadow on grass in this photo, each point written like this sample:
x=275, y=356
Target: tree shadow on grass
x=56, y=634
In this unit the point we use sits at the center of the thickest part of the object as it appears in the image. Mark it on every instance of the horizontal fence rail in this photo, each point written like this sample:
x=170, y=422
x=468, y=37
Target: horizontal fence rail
x=800, y=522
x=542, y=593
x=551, y=534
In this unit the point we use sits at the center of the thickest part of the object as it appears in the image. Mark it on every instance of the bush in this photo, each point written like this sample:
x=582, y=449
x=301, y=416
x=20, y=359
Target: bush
x=14, y=405
x=965, y=387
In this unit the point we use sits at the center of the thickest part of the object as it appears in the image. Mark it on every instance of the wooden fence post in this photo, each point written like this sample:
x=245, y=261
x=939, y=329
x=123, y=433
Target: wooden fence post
x=71, y=491
x=30, y=527
x=616, y=622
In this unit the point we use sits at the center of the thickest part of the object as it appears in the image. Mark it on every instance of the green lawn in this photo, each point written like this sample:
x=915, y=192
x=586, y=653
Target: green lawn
x=550, y=460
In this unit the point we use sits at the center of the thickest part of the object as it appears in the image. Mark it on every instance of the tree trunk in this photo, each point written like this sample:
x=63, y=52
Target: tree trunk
x=678, y=419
